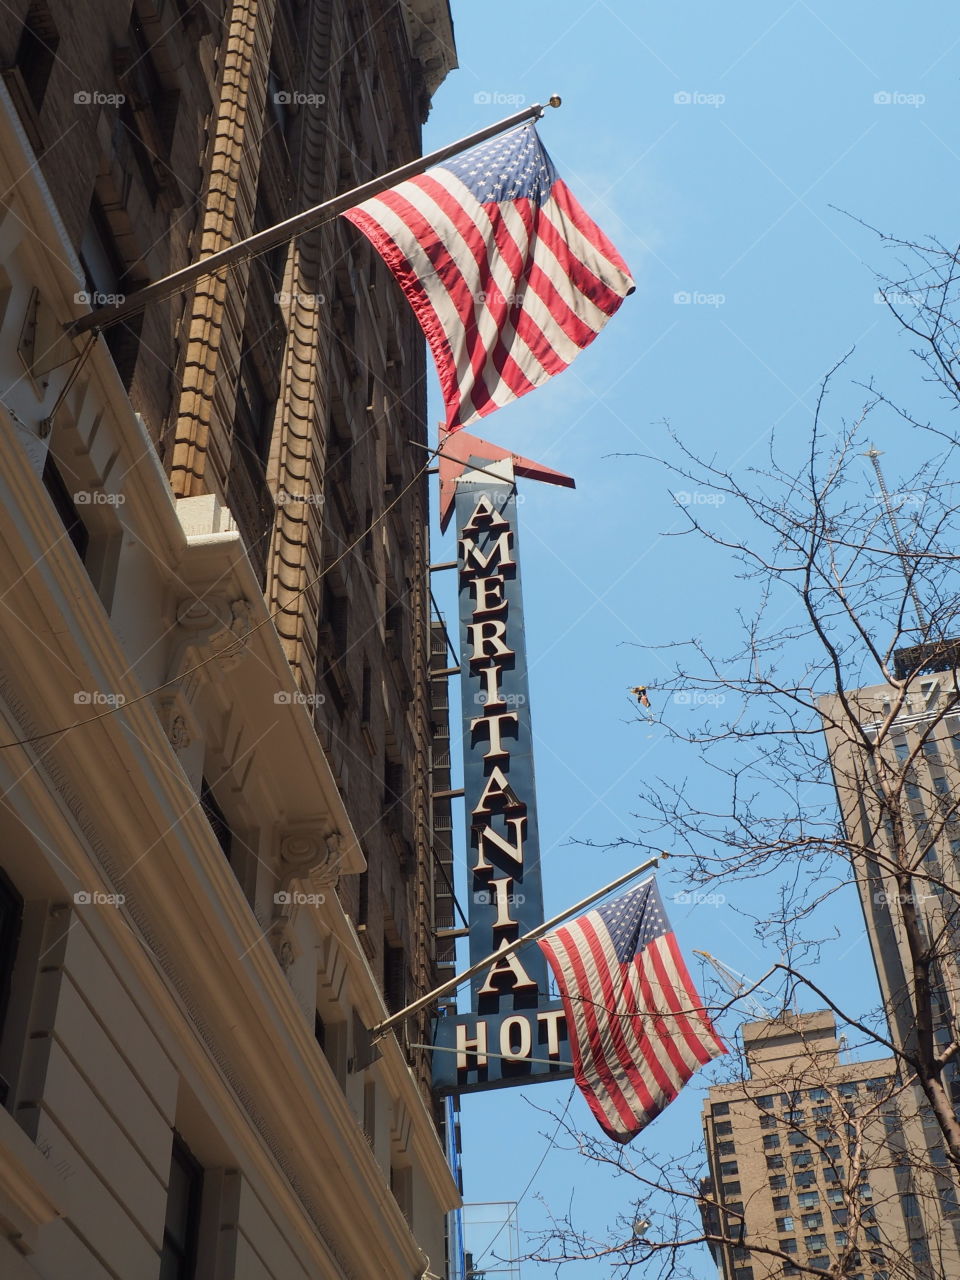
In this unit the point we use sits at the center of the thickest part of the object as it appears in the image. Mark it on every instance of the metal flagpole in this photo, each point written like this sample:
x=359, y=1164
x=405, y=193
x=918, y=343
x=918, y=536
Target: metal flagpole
x=381, y=1029
x=179, y=280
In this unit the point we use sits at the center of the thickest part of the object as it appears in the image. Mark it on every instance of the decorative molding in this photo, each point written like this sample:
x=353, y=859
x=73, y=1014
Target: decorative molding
x=310, y=851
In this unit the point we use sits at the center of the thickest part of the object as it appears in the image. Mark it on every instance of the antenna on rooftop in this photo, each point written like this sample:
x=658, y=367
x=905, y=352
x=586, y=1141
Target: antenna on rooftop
x=740, y=987
x=874, y=454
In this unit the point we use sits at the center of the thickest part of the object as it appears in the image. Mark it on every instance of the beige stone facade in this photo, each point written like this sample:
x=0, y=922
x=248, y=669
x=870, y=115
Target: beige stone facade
x=815, y=1165
x=215, y=557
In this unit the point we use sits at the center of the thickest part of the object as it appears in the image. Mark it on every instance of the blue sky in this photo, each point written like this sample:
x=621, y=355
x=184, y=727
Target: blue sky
x=715, y=145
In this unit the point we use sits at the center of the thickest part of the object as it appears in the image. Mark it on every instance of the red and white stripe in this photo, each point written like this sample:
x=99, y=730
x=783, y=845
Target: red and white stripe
x=506, y=294
x=638, y=1031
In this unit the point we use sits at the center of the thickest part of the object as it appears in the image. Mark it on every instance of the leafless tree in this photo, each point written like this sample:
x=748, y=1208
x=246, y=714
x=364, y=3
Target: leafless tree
x=832, y=733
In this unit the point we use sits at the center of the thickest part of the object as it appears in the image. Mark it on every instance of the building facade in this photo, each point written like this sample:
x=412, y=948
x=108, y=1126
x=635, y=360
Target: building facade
x=894, y=757
x=812, y=1165
x=215, y=723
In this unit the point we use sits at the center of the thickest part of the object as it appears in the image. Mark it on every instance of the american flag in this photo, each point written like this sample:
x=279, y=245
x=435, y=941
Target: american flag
x=508, y=276
x=638, y=1029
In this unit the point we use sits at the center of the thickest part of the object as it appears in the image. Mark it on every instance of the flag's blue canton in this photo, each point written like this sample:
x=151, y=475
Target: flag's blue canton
x=510, y=167
x=634, y=920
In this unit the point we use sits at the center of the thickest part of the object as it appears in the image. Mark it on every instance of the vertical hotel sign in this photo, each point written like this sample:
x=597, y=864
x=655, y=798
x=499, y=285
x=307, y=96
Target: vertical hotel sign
x=514, y=1033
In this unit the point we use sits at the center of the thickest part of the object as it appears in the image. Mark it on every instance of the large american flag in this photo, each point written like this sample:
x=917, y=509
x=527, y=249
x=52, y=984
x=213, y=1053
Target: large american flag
x=638, y=1029
x=509, y=277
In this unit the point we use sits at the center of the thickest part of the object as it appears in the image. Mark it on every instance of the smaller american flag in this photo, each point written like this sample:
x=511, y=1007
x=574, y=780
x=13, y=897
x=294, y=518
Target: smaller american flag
x=638, y=1029
x=508, y=275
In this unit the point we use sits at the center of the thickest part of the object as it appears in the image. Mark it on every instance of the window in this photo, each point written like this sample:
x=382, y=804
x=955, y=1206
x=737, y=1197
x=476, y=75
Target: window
x=793, y=1117
x=395, y=983
x=728, y=1168
x=11, y=914
x=900, y=749
x=788, y=1246
x=824, y=1134
x=835, y=1195
x=781, y=1202
x=797, y=1139
x=721, y=1108
x=726, y=1148
x=848, y=1089
x=768, y=1122
x=830, y=1154
x=807, y=1199
x=806, y=1178
x=179, y=1253
x=940, y=785
x=839, y=1217
x=730, y=1189
x=770, y=1141
x=815, y=1243
x=215, y=816
x=37, y=51
x=778, y=1182
x=743, y=1273
x=801, y=1159
x=812, y=1221
x=765, y=1101
x=62, y=499
x=785, y=1223
x=822, y=1113
x=774, y=1162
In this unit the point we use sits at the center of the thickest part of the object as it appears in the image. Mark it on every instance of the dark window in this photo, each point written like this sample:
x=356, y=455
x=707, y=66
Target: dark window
x=320, y=1031
x=778, y=1182
x=178, y=1257
x=11, y=916
x=365, y=693
x=105, y=271
x=62, y=499
x=771, y=1141
x=781, y=1202
x=721, y=1108
x=37, y=51
x=394, y=978
x=216, y=818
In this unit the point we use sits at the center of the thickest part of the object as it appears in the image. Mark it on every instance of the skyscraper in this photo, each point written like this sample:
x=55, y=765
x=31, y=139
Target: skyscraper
x=217, y=866
x=810, y=1164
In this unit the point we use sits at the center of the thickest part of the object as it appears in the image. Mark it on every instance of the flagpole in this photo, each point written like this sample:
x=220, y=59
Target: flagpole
x=381, y=1029
x=159, y=290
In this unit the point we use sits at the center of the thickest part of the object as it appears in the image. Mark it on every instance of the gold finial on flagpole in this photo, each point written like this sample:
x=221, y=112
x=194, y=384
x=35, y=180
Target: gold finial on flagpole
x=554, y=100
